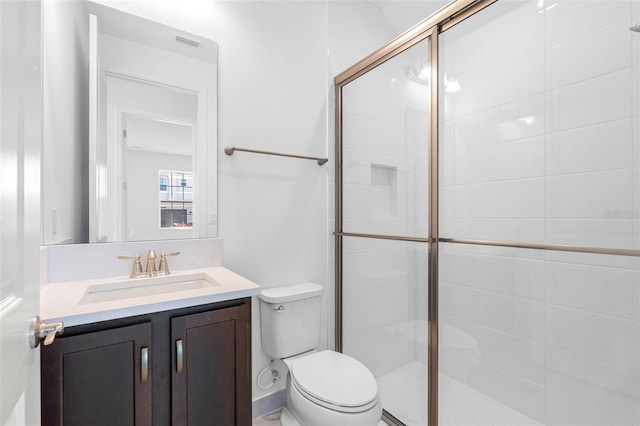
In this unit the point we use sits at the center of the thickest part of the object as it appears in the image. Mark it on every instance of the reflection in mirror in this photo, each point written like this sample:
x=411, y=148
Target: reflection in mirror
x=157, y=178
x=130, y=127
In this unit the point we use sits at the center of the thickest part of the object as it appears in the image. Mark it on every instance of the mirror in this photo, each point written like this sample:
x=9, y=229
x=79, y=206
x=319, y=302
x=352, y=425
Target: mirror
x=130, y=127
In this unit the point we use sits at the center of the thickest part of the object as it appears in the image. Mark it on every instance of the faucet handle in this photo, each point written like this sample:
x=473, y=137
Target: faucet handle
x=136, y=265
x=163, y=268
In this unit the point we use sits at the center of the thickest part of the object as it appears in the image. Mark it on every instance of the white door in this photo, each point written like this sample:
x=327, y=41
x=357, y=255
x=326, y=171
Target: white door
x=20, y=148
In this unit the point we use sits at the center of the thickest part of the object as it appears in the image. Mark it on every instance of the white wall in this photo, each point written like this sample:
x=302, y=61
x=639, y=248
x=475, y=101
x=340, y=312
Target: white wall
x=273, y=211
x=65, y=133
x=273, y=96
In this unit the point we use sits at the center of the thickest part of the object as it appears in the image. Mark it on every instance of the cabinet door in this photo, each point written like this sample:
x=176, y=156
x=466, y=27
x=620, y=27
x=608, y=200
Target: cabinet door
x=211, y=379
x=99, y=378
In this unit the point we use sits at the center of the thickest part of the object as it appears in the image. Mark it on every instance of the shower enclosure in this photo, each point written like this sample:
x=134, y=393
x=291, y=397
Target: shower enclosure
x=488, y=215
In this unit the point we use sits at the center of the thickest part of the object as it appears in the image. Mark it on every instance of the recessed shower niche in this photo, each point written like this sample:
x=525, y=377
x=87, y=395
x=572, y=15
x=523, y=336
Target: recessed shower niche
x=384, y=191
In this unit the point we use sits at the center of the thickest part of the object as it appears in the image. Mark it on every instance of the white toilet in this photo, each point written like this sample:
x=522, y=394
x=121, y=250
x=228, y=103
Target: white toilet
x=323, y=388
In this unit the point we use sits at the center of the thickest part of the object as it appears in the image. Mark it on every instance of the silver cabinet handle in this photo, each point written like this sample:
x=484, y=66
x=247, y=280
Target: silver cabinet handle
x=39, y=330
x=179, y=356
x=144, y=364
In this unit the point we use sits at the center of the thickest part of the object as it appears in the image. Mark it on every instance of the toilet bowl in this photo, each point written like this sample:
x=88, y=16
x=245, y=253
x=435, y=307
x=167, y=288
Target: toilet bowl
x=330, y=388
x=323, y=388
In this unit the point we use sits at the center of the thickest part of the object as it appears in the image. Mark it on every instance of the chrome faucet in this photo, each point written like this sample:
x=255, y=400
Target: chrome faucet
x=151, y=270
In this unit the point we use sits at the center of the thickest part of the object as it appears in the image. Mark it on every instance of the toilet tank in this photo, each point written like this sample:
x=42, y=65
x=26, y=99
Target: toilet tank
x=290, y=319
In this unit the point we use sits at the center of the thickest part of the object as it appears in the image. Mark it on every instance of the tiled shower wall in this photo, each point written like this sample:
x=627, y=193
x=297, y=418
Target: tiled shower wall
x=548, y=106
x=385, y=182
x=542, y=145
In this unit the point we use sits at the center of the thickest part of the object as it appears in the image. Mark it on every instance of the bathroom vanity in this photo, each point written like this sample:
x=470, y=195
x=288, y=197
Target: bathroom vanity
x=178, y=367
x=177, y=357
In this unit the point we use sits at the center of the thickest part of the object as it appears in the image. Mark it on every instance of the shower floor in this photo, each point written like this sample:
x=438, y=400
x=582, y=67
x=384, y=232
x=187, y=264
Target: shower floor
x=404, y=394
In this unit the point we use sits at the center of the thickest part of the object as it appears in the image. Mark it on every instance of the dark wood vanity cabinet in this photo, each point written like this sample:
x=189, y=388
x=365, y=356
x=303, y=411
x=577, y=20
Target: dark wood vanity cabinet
x=85, y=377
x=210, y=367
x=189, y=366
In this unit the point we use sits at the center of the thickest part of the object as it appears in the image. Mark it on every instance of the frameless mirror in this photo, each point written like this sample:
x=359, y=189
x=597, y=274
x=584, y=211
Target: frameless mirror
x=130, y=133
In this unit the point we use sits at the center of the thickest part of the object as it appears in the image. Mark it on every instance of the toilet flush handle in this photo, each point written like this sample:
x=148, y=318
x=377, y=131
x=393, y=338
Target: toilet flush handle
x=280, y=308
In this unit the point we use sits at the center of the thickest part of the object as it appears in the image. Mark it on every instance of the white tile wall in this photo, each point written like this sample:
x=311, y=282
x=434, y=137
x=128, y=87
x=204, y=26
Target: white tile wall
x=562, y=410
x=386, y=124
x=595, y=195
x=597, y=383
x=552, y=157
x=575, y=336
x=385, y=191
x=512, y=41
x=569, y=20
x=582, y=149
x=583, y=287
x=515, y=198
x=380, y=280
x=523, y=158
x=573, y=61
x=562, y=109
x=597, y=100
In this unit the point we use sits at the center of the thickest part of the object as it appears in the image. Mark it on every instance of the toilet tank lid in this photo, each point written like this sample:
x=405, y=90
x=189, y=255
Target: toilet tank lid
x=289, y=293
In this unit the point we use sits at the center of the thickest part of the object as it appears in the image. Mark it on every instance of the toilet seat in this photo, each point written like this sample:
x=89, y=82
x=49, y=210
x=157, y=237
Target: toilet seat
x=335, y=381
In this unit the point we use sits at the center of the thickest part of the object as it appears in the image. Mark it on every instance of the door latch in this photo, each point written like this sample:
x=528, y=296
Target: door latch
x=39, y=330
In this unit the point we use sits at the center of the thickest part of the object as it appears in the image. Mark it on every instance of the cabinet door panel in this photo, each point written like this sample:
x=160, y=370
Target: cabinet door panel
x=215, y=368
x=95, y=379
x=87, y=375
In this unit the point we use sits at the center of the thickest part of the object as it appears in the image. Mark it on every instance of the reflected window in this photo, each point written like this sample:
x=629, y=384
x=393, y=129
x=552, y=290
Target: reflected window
x=176, y=199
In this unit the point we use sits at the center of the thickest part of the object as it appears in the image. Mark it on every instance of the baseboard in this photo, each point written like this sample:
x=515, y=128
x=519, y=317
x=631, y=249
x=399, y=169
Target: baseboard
x=269, y=403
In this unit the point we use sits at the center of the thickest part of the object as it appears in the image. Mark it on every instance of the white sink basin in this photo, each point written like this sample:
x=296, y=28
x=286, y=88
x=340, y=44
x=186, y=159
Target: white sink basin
x=139, y=287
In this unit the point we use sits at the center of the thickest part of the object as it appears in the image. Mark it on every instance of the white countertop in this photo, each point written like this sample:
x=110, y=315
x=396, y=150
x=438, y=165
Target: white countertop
x=62, y=301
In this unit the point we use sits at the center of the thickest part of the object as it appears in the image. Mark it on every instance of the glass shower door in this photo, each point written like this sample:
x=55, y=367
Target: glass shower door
x=539, y=263
x=385, y=193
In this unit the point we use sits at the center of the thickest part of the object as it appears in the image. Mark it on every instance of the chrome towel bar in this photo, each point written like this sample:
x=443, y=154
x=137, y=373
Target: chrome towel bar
x=231, y=149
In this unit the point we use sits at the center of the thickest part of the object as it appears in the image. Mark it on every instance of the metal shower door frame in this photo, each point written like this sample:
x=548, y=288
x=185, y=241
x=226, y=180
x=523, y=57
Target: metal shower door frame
x=430, y=28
